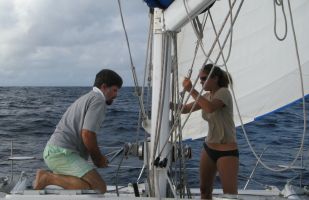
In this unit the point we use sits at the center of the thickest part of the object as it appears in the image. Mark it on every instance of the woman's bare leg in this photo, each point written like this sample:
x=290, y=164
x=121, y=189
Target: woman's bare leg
x=207, y=175
x=228, y=171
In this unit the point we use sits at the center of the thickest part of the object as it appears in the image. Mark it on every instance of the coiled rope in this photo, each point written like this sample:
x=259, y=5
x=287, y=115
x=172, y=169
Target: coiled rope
x=280, y=3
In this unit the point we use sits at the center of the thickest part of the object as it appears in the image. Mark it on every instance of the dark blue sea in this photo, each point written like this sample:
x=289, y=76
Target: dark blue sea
x=28, y=116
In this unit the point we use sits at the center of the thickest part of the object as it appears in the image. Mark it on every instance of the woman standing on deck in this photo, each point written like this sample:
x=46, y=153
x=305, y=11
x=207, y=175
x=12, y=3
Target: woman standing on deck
x=220, y=152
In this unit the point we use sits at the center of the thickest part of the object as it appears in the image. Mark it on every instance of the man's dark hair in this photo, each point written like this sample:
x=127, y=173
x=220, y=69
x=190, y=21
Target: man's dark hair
x=108, y=77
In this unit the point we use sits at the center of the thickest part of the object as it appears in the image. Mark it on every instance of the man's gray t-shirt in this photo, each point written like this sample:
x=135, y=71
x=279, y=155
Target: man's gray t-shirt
x=87, y=112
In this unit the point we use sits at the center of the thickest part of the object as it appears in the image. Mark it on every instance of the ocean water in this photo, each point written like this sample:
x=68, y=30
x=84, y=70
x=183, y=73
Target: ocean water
x=28, y=116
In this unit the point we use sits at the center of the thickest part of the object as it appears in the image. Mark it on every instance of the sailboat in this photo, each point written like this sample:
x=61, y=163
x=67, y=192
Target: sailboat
x=270, y=69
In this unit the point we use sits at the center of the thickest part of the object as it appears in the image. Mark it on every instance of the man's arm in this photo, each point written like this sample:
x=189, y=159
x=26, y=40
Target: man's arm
x=90, y=141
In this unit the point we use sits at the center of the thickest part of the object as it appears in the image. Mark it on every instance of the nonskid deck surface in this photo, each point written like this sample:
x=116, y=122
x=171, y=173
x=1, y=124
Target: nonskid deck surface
x=128, y=196
x=128, y=193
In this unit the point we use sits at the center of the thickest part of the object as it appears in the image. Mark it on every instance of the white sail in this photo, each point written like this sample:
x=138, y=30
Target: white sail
x=264, y=70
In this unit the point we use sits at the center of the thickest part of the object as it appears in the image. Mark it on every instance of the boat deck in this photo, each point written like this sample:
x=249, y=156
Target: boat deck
x=128, y=193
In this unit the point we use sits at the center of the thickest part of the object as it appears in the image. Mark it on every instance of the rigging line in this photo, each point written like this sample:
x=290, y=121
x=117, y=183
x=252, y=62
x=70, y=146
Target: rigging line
x=301, y=82
x=197, y=35
x=180, y=108
x=216, y=40
x=242, y=125
x=174, y=84
x=171, y=185
x=236, y=104
x=180, y=102
x=197, y=46
x=231, y=36
x=214, y=43
x=195, y=31
x=165, y=44
x=175, y=81
x=205, y=17
x=221, y=47
x=238, y=111
x=201, y=43
x=132, y=65
x=149, y=43
x=165, y=63
x=117, y=174
x=280, y=3
x=140, y=174
x=174, y=98
x=148, y=63
x=223, y=24
x=198, y=26
x=252, y=172
x=160, y=107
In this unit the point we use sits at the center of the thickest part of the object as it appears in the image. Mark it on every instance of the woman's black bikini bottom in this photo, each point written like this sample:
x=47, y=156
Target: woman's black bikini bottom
x=215, y=154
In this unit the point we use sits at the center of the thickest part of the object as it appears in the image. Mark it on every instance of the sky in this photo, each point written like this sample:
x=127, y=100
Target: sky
x=66, y=42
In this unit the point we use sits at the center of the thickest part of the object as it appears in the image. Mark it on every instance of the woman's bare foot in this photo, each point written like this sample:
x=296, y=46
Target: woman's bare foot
x=40, y=179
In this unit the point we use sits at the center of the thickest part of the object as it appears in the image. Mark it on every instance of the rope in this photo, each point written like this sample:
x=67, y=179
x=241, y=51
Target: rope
x=148, y=65
x=162, y=92
x=242, y=124
x=301, y=81
x=181, y=109
x=217, y=39
x=140, y=99
x=175, y=94
x=199, y=39
x=117, y=174
x=132, y=65
x=197, y=44
x=304, y=110
x=280, y=3
x=148, y=54
x=231, y=36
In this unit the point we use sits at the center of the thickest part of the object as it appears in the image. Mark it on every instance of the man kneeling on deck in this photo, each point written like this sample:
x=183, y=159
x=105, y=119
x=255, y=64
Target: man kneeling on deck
x=74, y=139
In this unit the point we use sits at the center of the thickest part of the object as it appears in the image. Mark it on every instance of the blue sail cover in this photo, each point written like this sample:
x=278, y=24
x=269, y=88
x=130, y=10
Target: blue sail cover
x=158, y=3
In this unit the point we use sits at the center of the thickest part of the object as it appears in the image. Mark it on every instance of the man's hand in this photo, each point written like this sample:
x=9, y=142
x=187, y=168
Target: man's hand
x=90, y=141
x=103, y=162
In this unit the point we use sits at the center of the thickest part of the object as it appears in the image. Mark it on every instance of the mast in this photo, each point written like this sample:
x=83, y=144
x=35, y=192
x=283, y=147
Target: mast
x=172, y=19
x=160, y=102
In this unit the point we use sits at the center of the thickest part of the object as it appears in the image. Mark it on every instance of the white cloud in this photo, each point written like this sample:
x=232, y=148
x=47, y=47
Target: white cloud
x=47, y=42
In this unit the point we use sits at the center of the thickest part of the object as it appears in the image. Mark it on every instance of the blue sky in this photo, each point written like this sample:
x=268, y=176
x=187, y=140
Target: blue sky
x=65, y=43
